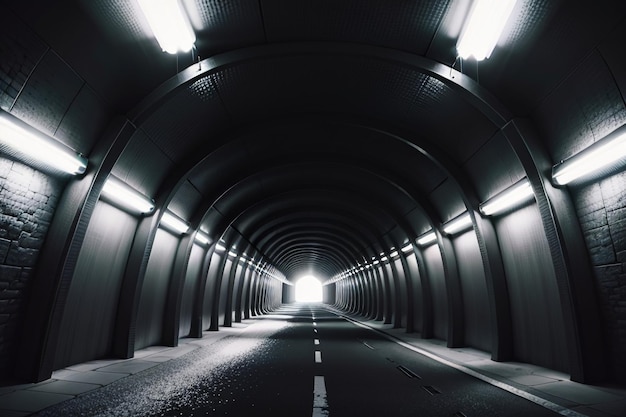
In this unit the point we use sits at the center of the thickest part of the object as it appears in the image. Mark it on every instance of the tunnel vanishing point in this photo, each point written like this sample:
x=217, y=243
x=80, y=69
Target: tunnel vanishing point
x=341, y=139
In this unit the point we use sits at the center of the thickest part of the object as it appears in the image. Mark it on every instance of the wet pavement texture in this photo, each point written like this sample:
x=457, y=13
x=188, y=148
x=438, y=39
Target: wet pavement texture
x=269, y=370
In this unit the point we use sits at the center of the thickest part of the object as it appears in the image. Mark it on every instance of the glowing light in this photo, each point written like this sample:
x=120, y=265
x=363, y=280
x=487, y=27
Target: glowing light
x=169, y=24
x=462, y=222
x=173, y=222
x=427, y=239
x=483, y=29
x=600, y=155
x=517, y=194
x=202, y=238
x=309, y=290
x=124, y=195
x=32, y=144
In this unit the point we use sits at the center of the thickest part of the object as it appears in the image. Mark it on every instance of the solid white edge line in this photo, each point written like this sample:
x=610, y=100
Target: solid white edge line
x=502, y=385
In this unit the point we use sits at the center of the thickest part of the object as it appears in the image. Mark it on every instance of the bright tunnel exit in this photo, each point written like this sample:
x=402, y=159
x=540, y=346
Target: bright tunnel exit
x=309, y=290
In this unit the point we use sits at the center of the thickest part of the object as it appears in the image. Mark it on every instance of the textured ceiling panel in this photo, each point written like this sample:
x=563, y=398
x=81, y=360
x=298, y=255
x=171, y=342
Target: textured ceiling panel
x=48, y=94
x=406, y=25
x=585, y=108
x=225, y=24
x=447, y=200
x=494, y=168
x=142, y=165
x=185, y=201
x=359, y=87
x=84, y=122
x=190, y=118
x=20, y=49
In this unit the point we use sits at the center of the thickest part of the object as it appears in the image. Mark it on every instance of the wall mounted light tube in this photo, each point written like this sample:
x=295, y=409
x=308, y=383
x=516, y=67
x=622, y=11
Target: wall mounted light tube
x=458, y=224
x=174, y=222
x=601, y=155
x=27, y=143
x=202, y=238
x=427, y=239
x=407, y=248
x=221, y=248
x=169, y=24
x=517, y=194
x=125, y=196
x=483, y=28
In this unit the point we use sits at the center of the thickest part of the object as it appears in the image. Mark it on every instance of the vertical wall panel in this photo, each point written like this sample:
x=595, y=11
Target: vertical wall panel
x=154, y=290
x=417, y=299
x=209, y=290
x=474, y=289
x=401, y=291
x=89, y=316
x=191, y=280
x=224, y=289
x=538, y=332
x=434, y=269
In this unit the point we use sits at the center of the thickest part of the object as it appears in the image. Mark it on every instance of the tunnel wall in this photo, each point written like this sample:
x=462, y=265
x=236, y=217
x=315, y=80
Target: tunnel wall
x=28, y=199
x=601, y=207
x=418, y=295
x=538, y=331
x=154, y=291
x=194, y=265
x=436, y=278
x=89, y=316
x=476, y=315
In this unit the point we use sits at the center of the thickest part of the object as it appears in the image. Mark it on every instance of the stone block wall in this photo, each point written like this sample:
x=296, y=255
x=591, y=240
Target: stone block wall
x=601, y=208
x=28, y=199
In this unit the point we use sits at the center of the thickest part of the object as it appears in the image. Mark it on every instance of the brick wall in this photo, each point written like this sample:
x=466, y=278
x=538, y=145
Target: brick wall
x=27, y=202
x=601, y=208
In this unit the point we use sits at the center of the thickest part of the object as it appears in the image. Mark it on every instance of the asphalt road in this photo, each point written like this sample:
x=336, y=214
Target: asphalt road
x=304, y=360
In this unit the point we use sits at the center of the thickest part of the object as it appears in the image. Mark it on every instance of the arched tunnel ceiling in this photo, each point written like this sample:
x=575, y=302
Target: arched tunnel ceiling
x=317, y=140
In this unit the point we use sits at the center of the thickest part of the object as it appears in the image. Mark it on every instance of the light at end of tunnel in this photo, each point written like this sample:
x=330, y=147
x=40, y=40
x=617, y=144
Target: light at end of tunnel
x=603, y=154
x=309, y=290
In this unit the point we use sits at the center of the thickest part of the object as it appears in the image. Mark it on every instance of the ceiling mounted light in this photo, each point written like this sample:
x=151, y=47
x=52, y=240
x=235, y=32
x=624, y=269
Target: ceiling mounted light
x=605, y=153
x=24, y=142
x=427, y=239
x=483, y=28
x=121, y=194
x=458, y=224
x=221, y=248
x=518, y=193
x=174, y=222
x=169, y=24
x=407, y=248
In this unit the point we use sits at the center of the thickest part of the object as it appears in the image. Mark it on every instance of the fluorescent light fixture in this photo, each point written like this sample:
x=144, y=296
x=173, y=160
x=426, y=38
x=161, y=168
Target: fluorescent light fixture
x=483, y=28
x=221, y=248
x=376, y=262
x=518, y=193
x=394, y=254
x=384, y=259
x=169, y=24
x=462, y=222
x=601, y=155
x=174, y=222
x=427, y=239
x=122, y=194
x=202, y=238
x=31, y=144
x=232, y=254
x=407, y=248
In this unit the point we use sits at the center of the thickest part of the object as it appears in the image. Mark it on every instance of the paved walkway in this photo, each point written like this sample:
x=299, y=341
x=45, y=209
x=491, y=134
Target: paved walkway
x=552, y=386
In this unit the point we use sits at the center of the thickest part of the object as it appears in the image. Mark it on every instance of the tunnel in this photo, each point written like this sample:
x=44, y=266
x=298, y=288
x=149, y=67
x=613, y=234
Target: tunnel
x=356, y=143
